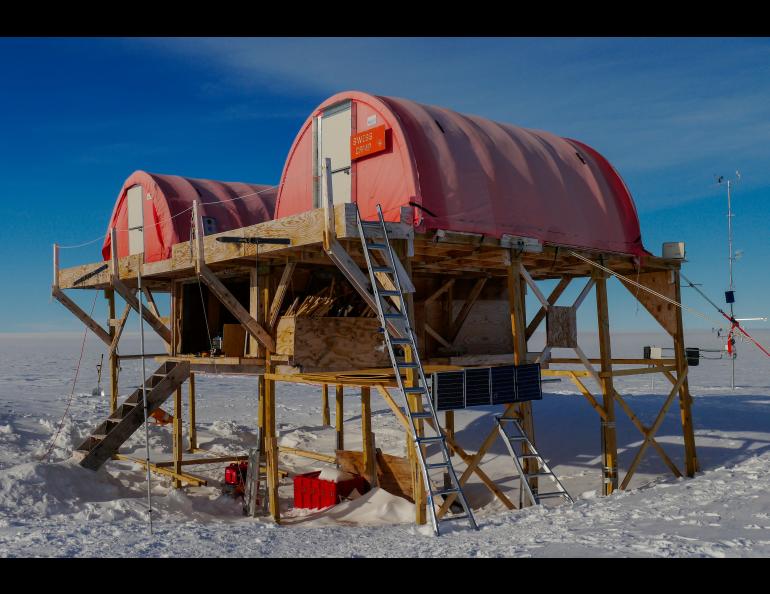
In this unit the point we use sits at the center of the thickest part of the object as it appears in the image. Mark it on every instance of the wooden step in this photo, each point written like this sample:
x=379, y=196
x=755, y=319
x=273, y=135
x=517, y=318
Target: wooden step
x=115, y=430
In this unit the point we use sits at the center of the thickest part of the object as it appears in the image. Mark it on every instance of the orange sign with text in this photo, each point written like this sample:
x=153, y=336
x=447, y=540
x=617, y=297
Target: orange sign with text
x=367, y=142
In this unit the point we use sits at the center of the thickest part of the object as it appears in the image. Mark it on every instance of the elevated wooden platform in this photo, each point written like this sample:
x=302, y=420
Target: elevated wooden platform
x=437, y=252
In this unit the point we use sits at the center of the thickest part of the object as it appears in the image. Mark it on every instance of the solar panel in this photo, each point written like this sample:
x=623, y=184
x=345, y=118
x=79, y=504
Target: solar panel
x=449, y=390
x=503, y=385
x=477, y=387
x=528, y=382
x=453, y=390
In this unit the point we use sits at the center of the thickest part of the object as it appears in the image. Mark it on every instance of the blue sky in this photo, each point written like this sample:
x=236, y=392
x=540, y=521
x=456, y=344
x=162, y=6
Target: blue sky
x=77, y=116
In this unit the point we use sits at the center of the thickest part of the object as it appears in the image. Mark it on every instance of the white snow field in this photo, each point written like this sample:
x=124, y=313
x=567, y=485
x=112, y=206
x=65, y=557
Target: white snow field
x=56, y=508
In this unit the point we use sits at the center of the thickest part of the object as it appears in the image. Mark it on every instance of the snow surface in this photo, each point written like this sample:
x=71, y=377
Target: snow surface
x=56, y=508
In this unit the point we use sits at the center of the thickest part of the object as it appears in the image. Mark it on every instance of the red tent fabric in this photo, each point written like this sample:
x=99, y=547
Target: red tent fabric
x=468, y=173
x=167, y=200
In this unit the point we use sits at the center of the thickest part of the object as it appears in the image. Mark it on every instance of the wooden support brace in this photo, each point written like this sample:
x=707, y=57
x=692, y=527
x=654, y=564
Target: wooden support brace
x=280, y=294
x=650, y=433
x=533, y=285
x=467, y=458
x=151, y=301
x=590, y=397
x=443, y=289
x=643, y=430
x=466, y=309
x=118, y=332
x=251, y=325
x=130, y=296
x=367, y=436
x=443, y=341
x=325, y=416
x=339, y=416
x=552, y=299
x=92, y=325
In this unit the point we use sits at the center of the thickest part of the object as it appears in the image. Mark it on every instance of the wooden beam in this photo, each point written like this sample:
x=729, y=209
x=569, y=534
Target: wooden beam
x=177, y=436
x=280, y=293
x=467, y=458
x=251, y=325
x=114, y=365
x=151, y=301
x=457, y=324
x=662, y=282
x=608, y=433
x=643, y=430
x=193, y=431
x=307, y=454
x=637, y=371
x=55, y=283
x=117, y=331
x=650, y=433
x=339, y=427
x=92, y=325
x=130, y=296
x=533, y=285
x=195, y=481
x=590, y=397
x=325, y=416
x=443, y=341
x=271, y=444
x=685, y=399
x=443, y=289
x=552, y=298
x=367, y=436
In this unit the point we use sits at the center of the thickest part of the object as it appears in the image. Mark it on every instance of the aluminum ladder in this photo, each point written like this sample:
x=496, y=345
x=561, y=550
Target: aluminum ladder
x=517, y=435
x=393, y=320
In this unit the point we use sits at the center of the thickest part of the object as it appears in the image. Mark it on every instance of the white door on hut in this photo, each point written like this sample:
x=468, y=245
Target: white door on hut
x=135, y=232
x=332, y=138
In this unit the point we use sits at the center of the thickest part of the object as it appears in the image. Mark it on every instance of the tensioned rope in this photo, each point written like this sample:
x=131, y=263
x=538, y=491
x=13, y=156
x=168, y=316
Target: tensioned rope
x=733, y=322
x=74, y=383
x=158, y=222
x=692, y=310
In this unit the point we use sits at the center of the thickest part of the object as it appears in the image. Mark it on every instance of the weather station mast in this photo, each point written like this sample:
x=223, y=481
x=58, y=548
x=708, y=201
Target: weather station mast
x=732, y=256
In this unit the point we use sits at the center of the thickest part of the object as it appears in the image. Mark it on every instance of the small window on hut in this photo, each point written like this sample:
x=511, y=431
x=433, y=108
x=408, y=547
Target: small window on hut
x=209, y=225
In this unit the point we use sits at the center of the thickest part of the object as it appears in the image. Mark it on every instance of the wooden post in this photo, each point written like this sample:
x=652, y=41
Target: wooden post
x=370, y=453
x=55, y=266
x=608, y=434
x=193, y=429
x=517, y=311
x=110, y=296
x=255, y=348
x=271, y=443
x=270, y=437
x=177, y=436
x=685, y=399
x=338, y=417
x=449, y=429
x=325, y=418
x=414, y=400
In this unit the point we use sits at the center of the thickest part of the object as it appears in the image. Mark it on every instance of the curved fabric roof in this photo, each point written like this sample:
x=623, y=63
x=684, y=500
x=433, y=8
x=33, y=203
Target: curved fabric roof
x=167, y=200
x=468, y=173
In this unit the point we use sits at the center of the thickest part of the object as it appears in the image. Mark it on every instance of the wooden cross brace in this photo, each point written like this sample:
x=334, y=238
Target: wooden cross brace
x=647, y=432
x=252, y=326
x=467, y=458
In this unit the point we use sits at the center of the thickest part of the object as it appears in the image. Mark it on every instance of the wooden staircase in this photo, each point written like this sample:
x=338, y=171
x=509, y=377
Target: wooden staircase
x=129, y=416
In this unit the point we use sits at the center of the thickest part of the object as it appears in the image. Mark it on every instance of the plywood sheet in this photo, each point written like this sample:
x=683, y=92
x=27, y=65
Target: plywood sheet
x=332, y=344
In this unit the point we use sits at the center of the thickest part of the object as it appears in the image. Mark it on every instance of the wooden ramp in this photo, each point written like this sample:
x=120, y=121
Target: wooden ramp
x=129, y=416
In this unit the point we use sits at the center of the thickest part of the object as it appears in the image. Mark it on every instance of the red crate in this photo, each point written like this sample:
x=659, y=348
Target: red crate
x=310, y=492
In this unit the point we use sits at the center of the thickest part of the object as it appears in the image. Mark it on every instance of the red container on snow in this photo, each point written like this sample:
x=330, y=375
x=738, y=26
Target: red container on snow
x=310, y=492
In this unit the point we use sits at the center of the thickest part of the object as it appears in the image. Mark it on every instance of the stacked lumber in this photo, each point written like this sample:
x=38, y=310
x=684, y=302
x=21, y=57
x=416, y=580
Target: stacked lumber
x=319, y=306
